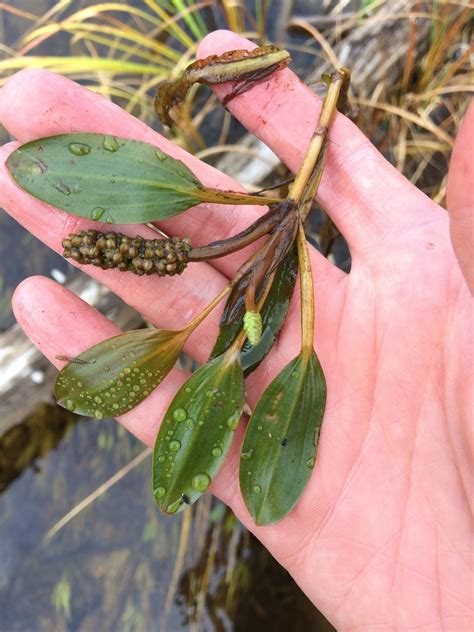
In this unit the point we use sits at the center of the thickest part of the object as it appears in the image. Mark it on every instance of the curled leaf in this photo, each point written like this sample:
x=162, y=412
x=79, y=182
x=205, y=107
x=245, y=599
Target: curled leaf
x=280, y=443
x=112, y=377
x=197, y=432
x=246, y=67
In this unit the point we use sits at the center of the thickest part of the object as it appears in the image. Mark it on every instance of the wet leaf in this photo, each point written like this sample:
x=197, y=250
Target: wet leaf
x=280, y=444
x=104, y=177
x=112, y=377
x=111, y=179
x=197, y=432
x=273, y=314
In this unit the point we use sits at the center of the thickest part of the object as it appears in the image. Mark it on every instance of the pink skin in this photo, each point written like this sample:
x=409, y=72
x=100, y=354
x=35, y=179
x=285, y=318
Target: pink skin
x=382, y=536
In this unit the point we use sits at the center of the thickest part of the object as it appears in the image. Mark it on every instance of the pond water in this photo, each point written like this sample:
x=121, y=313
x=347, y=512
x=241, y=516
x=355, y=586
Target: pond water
x=118, y=564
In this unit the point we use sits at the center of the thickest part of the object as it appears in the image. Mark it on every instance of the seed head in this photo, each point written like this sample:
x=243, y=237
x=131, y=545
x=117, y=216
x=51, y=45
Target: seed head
x=165, y=257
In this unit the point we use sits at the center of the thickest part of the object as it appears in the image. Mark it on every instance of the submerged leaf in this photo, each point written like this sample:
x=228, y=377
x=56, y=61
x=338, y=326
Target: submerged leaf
x=197, y=432
x=104, y=177
x=114, y=376
x=280, y=444
x=273, y=315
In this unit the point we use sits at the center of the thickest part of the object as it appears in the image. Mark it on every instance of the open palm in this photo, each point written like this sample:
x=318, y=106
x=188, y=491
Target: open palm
x=382, y=535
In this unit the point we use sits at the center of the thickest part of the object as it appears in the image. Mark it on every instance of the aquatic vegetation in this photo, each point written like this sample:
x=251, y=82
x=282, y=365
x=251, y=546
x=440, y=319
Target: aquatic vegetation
x=117, y=180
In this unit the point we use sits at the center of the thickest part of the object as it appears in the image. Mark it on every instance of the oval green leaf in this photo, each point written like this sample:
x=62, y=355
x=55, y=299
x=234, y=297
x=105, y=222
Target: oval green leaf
x=280, y=444
x=273, y=312
x=114, y=376
x=104, y=178
x=197, y=432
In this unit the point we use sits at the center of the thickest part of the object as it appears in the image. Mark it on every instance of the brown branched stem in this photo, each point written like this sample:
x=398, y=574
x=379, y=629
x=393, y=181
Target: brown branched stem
x=262, y=226
x=338, y=82
x=303, y=191
x=263, y=263
x=307, y=293
x=250, y=303
x=268, y=256
x=313, y=183
x=282, y=183
x=206, y=194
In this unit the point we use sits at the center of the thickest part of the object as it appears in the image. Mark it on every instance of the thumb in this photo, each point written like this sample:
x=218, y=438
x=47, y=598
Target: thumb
x=460, y=197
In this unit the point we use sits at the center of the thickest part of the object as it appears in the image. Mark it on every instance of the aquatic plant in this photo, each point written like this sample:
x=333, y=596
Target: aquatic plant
x=118, y=180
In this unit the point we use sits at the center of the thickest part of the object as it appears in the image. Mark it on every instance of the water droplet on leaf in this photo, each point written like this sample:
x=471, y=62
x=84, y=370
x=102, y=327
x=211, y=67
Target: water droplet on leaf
x=97, y=213
x=79, y=149
x=180, y=414
x=160, y=491
x=310, y=462
x=62, y=188
x=174, y=506
x=233, y=420
x=70, y=405
x=98, y=414
x=111, y=144
x=40, y=167
x=246, y=455
x=201, y=482
x=216, y=452
x=174, y=446
x=257, y=489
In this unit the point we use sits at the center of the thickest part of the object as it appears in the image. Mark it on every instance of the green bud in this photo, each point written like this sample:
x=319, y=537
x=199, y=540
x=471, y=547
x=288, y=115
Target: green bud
x=253, y=327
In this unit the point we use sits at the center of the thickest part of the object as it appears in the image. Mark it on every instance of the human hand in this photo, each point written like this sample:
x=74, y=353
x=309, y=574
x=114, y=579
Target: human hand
x=382, y=533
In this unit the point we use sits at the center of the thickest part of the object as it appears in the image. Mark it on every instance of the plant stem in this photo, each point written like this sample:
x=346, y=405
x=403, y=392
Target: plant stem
x=258, y=229
x=303, y=191
x=206, y=194
x=339, y=80
x=307, y=294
